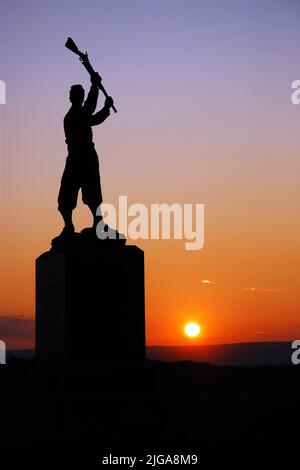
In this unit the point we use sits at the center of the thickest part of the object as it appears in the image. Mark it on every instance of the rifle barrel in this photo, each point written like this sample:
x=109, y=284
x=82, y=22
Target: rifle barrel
x=70, y=44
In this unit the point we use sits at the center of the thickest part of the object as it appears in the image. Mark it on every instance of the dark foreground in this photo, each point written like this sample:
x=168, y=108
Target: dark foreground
x=174, y=406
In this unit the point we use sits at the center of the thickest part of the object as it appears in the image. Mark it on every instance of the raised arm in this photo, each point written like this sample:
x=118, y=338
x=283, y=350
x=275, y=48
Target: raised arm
x=91, y=101
x=92, y=98
x=101, y=115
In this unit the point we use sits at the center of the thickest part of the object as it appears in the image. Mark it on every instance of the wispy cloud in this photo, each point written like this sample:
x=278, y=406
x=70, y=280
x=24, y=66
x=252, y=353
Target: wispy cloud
x=207, y=281
x=218, y=336
x=264, y=333
x=259, y=289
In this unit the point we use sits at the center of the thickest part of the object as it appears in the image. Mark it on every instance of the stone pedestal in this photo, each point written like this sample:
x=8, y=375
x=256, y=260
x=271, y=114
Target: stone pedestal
x=90, y=303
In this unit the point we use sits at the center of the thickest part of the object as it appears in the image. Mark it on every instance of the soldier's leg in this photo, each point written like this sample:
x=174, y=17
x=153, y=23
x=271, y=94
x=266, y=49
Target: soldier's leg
x=91, y=188
x=97, y=215
x=67, y=217
x=67, y=197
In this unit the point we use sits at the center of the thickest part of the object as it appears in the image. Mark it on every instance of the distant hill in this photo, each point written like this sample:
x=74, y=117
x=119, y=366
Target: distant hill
x=20, y=353
x=248, y=354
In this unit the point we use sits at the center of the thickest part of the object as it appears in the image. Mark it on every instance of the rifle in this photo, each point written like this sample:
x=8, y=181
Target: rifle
x=84, y=59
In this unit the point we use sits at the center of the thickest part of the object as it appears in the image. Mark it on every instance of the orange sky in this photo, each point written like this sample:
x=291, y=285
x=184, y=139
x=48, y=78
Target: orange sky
x=205, y=116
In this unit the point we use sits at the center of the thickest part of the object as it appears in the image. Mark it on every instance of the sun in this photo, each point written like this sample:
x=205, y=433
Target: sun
x=192, y=329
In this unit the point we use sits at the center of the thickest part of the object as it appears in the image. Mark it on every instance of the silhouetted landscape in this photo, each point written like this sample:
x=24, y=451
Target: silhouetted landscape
x=161, y=405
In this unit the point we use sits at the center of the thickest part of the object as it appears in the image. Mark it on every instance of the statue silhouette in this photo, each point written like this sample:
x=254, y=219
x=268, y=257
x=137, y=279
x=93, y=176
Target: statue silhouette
x=82, y=165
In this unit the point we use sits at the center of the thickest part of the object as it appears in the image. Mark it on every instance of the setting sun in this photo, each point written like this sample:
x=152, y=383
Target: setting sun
x=192, y=329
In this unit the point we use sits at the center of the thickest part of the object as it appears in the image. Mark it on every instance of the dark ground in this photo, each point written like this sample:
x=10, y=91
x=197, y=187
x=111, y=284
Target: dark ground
x=174, y=406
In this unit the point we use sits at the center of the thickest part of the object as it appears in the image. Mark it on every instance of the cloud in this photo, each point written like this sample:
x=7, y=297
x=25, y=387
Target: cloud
x=264, y=333
x=259, y=289
x=16, y=327
x=207, y=281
